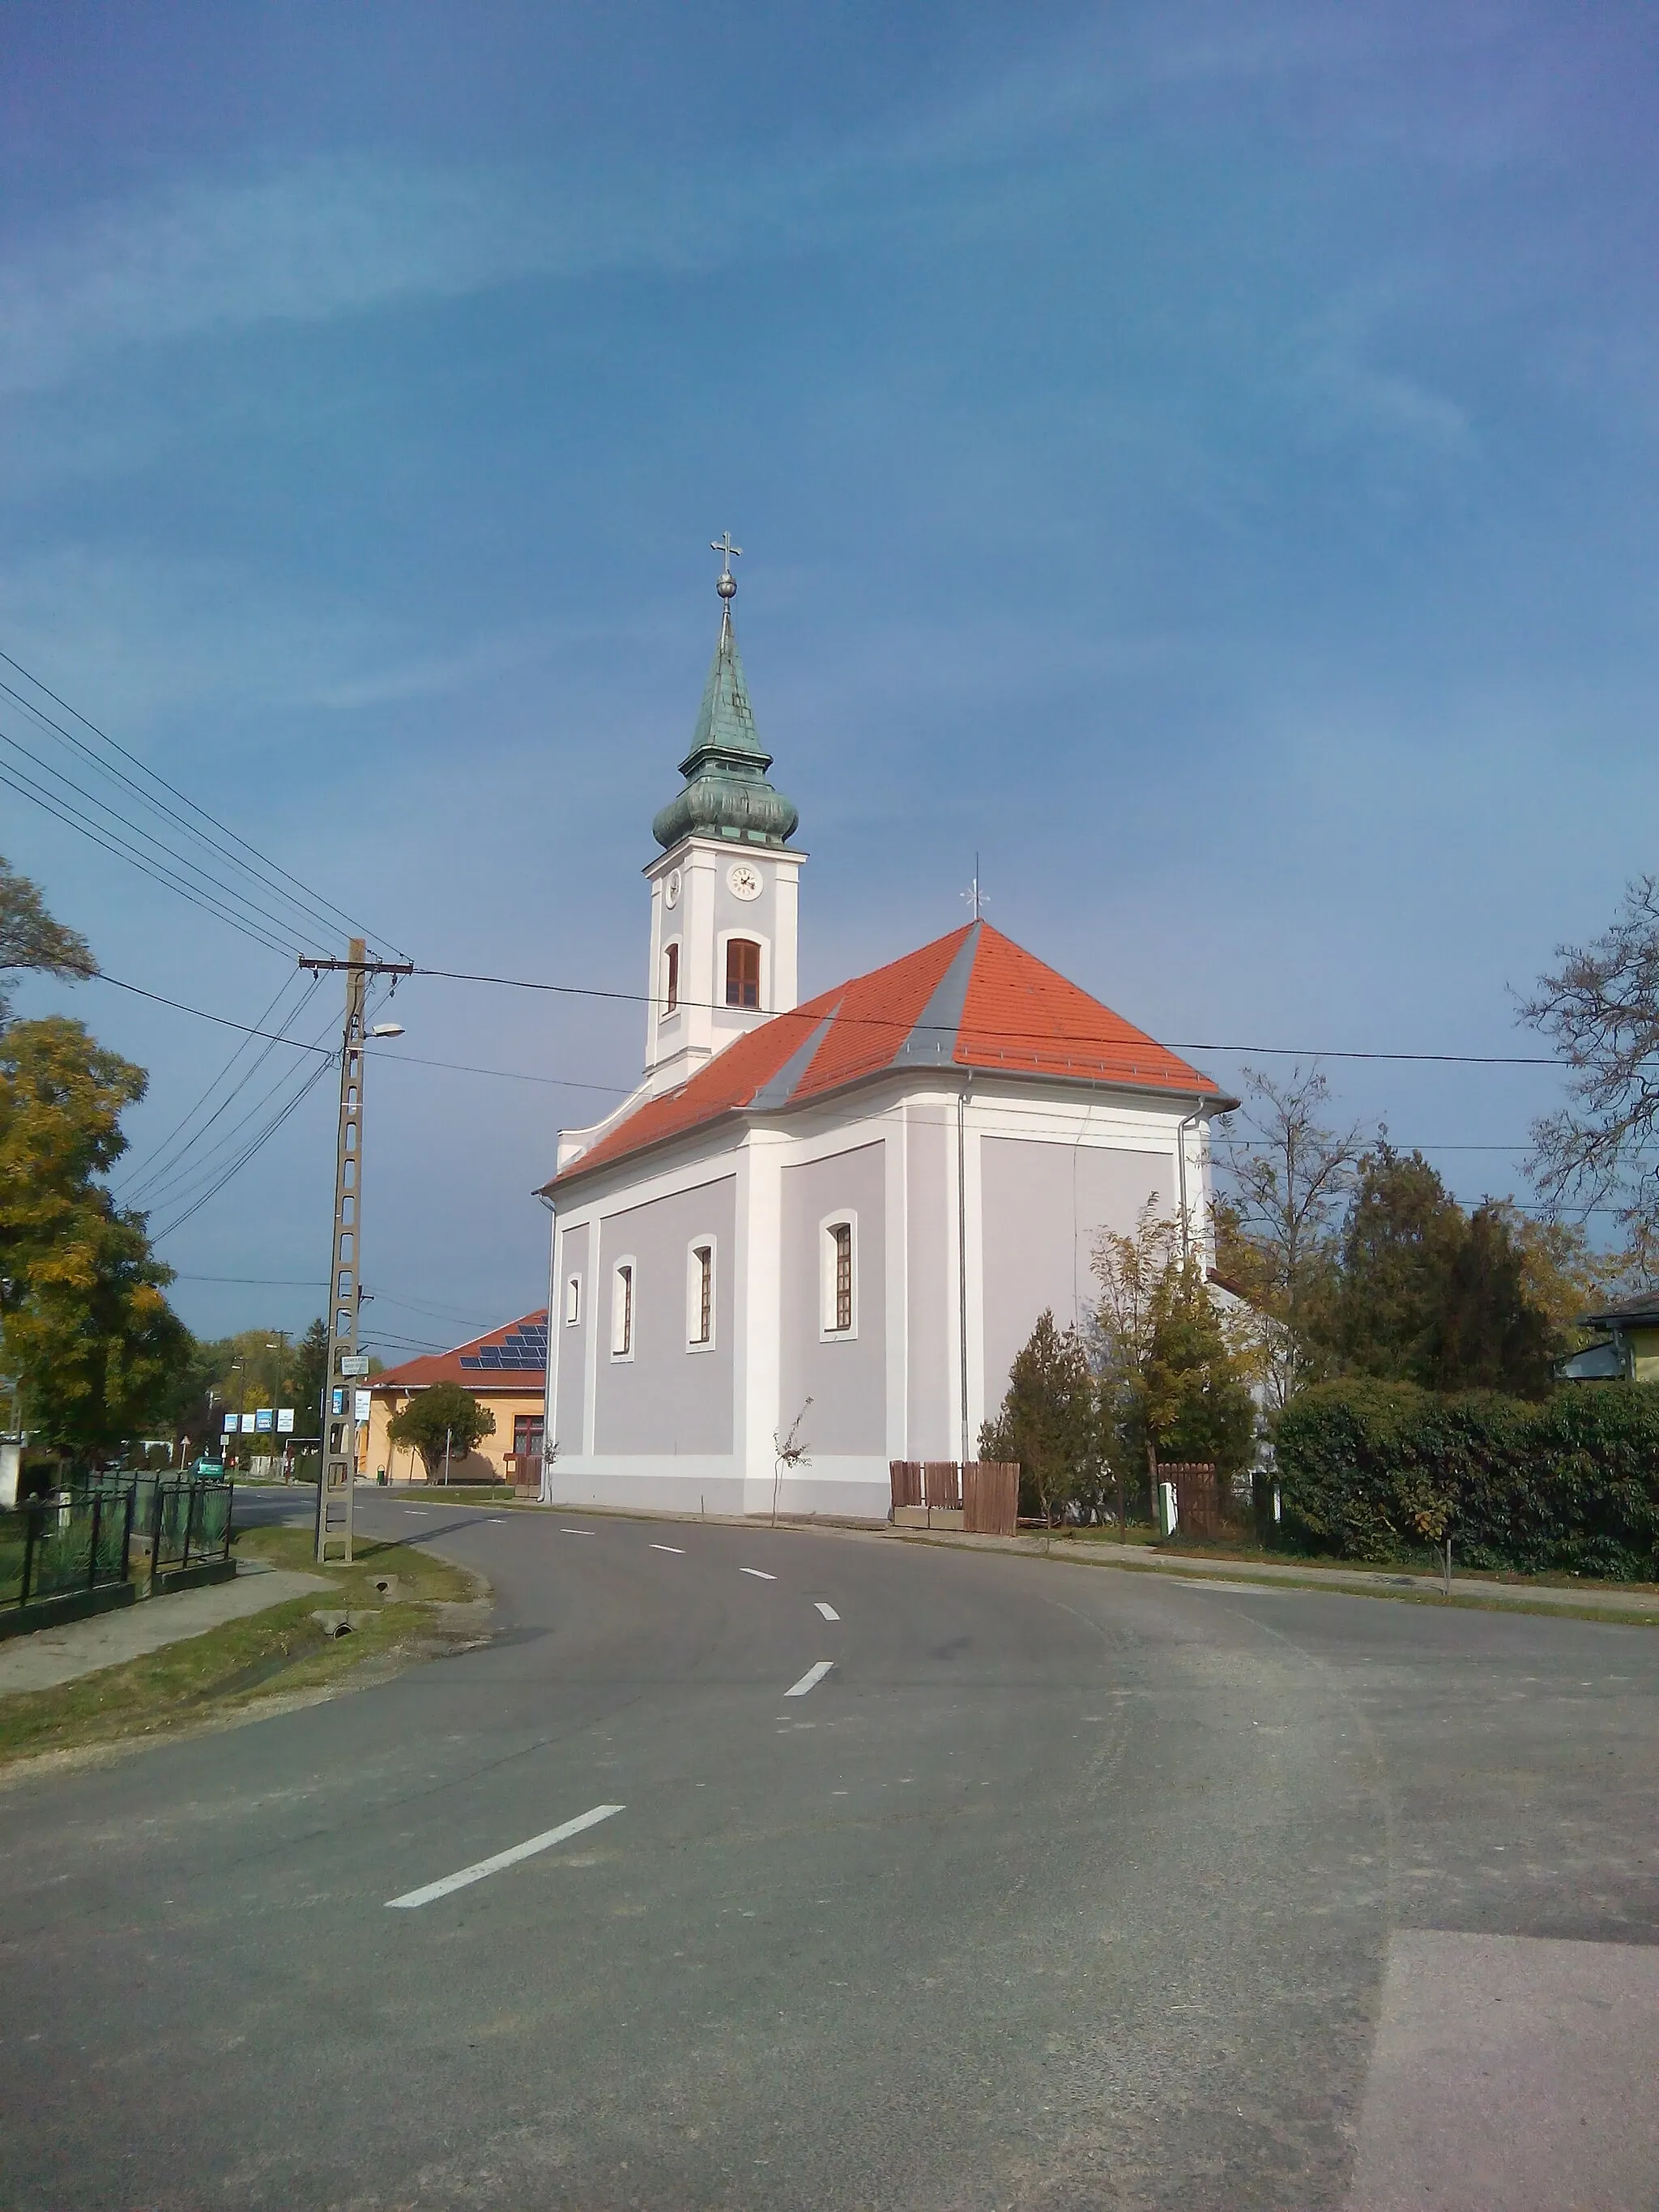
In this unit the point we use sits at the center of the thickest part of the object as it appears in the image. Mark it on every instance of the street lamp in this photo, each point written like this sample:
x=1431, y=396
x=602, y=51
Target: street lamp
x=387, y=1029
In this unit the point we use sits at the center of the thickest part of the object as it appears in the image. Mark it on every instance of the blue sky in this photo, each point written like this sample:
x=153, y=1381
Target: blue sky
x=1201, y=457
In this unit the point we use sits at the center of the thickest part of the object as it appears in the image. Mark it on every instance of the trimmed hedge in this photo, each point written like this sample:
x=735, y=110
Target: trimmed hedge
x=1378, y=1470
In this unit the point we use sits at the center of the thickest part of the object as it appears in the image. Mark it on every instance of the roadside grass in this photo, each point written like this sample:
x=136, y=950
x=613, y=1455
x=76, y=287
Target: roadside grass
x=1244, y=1549
x=279, y=1651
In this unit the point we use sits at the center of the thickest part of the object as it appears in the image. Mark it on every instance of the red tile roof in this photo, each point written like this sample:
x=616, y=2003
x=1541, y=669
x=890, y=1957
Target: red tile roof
x=470, y=1365
x=974, y=998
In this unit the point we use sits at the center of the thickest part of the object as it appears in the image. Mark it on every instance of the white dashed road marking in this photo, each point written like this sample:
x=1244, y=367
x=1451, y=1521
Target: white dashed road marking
x=810, y=1679
x=542, y=1842
x=759, y=1573
x=678, y=1550
x=575, y=1532
x=828, y=1611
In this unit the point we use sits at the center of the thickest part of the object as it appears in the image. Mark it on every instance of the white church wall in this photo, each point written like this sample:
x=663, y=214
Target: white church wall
x=661, y=1395
x=930, y=1335
x=844, y=1373
x=569, y=1341
x=1042, y=1205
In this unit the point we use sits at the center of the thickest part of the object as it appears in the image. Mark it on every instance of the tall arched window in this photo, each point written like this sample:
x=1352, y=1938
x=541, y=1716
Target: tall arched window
x=621, y=1311
x=742, y=972
x=700, y=1294
x=671, y=962
x=838, y=1276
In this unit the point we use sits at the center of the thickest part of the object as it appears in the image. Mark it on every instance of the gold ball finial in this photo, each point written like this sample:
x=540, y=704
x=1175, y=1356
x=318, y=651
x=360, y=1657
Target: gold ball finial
x=727, y=586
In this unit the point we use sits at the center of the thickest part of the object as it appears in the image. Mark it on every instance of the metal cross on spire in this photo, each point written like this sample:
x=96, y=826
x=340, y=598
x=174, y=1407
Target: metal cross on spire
x=728, y=552
x=975, y=895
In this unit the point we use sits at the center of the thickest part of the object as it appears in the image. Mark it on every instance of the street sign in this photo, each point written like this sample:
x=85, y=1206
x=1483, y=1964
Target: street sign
x=247, y=1423
x=354, y=1362
x=337, y=1402
x=264, y=1421
x=363, y=1406
x=285, y=1421
x=230, y=1425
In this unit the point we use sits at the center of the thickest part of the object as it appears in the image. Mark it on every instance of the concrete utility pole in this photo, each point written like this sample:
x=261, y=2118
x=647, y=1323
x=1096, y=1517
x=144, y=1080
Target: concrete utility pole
x=346, y=1365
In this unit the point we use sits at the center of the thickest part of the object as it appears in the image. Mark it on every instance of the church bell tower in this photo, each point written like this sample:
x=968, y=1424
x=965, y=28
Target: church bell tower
x=725, y=889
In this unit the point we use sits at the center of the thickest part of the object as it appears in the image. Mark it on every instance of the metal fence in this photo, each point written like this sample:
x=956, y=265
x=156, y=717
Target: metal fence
x=189, y=1524
x=56, y=1546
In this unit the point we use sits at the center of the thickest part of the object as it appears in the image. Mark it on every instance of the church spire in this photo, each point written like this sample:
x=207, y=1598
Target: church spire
x=726, y=794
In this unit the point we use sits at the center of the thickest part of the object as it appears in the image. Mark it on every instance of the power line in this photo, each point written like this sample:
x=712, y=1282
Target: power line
x=74, y=819
x=1046, y=1037
x=868, y=1021
x=163, y=1179
x=313, y=1077
x=258, y=1141
x=203, y=868
x=145, y=1168
x=160, y=781
x=223, y=1021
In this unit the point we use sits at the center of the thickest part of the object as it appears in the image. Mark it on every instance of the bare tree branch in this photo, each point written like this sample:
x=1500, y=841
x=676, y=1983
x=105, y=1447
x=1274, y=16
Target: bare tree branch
x=1601, y=1010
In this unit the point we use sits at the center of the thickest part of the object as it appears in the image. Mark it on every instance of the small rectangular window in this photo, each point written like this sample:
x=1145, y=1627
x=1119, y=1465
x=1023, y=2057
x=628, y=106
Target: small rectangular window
x=742, y=972
x=622, y=1315
x=670, y=979
x=702, y=1315
x=840, y=1241
x=573, y=1301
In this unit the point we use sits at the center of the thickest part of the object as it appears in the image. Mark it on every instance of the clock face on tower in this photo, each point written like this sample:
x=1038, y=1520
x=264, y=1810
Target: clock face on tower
x=671, y=890
x=743, y=881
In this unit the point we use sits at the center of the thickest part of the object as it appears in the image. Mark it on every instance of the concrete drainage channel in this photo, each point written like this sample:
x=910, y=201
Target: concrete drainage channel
x=336, y=1625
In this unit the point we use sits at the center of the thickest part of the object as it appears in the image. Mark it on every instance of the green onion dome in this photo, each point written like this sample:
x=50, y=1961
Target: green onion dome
x=726, y=794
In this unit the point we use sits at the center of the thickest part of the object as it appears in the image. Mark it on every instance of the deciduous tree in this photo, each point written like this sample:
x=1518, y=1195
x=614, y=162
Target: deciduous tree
x=441, y=1419
x=1601, y=1010
x=87, y=1326
x=31, y=941
x=1289, y=1176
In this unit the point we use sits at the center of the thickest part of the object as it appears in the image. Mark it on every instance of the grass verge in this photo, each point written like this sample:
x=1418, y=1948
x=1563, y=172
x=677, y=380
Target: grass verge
x=280, y=1650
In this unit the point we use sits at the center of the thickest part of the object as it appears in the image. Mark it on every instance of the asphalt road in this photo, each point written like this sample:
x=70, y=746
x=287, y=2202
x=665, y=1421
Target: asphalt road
x=1060, y=1887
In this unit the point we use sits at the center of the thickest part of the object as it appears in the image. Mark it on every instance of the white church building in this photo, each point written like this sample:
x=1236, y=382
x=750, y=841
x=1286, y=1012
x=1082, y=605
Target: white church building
x=845, y=1216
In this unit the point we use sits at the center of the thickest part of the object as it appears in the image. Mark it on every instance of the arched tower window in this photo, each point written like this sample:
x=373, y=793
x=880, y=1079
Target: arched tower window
x=671, y=979
x=742, y=972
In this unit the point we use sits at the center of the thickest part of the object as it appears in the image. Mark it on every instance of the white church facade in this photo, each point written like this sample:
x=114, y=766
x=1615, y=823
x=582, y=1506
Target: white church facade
x=843, y=1217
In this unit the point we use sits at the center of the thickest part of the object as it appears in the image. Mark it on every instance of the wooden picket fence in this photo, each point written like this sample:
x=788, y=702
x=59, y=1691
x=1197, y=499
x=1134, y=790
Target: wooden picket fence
x=985, y=1492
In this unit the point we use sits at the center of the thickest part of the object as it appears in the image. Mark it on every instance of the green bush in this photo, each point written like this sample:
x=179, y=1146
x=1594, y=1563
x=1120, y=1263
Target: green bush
x=1379, y=1470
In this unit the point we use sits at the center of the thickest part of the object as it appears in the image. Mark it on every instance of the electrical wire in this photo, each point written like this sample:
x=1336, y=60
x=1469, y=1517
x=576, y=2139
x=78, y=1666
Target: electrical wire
x=168, y=1181
x=222, y=1021
x=74, y=819
x=313, y=1077
x=144, y=1169
x=272, y=867
x=1047, y=1038
x=204, y=867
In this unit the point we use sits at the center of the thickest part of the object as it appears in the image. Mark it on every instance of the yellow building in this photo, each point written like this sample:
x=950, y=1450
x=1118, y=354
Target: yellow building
x=1629, y=1351
x=506, y=1371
